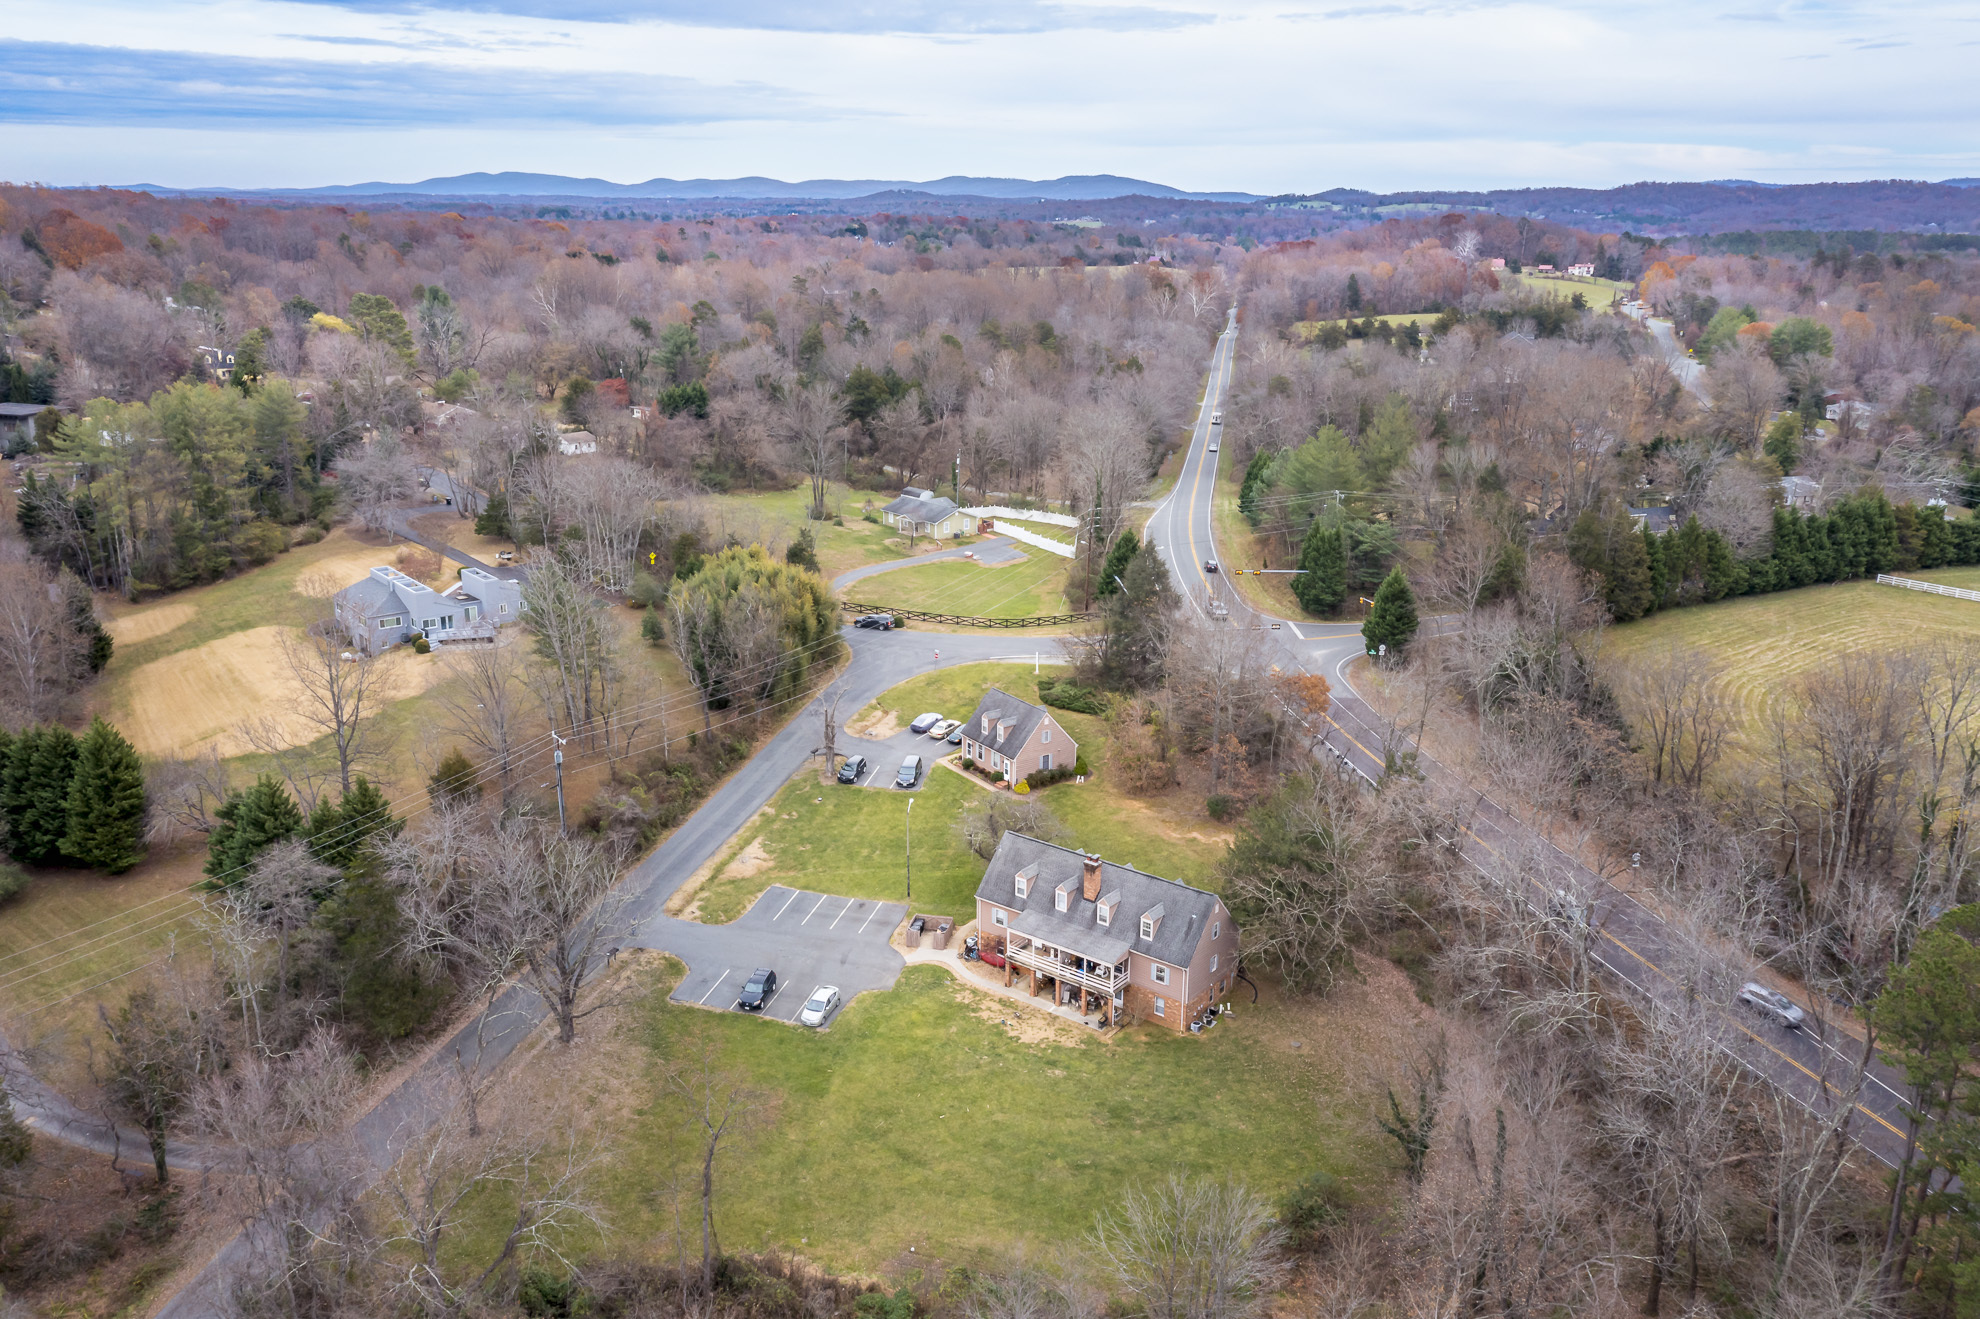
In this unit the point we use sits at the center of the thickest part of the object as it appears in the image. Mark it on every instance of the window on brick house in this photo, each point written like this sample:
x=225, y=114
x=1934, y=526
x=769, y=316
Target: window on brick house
x=1161, y=1006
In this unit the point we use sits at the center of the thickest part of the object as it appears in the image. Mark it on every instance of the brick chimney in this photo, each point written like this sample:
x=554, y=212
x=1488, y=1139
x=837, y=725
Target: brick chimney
x=1090, y=880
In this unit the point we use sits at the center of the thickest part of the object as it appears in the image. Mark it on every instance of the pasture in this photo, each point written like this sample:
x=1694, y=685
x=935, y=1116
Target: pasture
x=1766, y=643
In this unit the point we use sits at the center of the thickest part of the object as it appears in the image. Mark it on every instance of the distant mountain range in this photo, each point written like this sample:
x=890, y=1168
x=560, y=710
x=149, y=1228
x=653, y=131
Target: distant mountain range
x=512, y=184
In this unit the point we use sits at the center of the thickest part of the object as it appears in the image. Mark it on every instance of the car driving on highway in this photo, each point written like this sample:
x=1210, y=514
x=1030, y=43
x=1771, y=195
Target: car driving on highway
x=1773, y=1003
x=758, y=990
x=824, y=1001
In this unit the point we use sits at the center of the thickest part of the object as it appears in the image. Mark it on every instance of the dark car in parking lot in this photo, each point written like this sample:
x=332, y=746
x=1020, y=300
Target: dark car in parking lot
x=758, y=990
x=909, y=773
x=851, y=771
x=884, y=622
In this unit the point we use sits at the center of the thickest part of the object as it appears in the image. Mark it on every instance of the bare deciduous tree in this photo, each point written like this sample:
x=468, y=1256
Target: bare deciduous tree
x=42, y=656
x=339, y=688
x=1191, y=1248
x=536, y=1170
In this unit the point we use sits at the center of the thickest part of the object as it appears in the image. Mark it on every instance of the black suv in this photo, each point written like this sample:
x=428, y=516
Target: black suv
x=852, y=769
x=758, y=990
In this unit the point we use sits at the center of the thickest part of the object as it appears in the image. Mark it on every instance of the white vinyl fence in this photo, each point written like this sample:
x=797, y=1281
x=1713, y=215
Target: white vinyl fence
x=1912, y=584
x=1023, y=515
x=1016, y=532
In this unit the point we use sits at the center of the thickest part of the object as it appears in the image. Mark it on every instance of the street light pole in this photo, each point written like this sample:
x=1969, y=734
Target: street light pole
x=910, y=851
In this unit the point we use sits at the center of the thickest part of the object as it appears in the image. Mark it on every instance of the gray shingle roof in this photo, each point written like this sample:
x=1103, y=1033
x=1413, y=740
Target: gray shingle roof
x=1186, y=912
x=21, y=409
x=370, y=598
x=921, y=505
x=1024, y=716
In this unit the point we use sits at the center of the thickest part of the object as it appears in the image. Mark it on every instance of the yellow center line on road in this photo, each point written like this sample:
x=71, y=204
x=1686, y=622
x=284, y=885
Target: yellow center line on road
x=1798, y=1066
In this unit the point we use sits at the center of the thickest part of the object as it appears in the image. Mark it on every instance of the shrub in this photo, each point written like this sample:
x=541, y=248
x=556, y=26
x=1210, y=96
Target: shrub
x=967, y=763
x=1221, y=807
x=309, y=535
x=12, y=881
x=1065, y=695
x=1313, y=1209
x=1020, y=787
x=653, y=628
x=648, y=591
x=1045, y=778
x=421, y=646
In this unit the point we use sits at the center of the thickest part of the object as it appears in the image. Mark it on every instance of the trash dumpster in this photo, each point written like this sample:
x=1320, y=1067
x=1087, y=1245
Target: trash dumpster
x=942, y=933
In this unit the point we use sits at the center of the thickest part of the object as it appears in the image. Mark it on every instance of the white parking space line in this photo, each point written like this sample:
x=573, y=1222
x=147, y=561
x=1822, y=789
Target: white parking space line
x=703, y=1000
x=870, y=915
x=841, y=916
x=787, y=902
x=814, y=910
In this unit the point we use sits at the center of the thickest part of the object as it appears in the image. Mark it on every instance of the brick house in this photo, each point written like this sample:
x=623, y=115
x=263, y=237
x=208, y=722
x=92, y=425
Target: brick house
x=1108, y=939
x=1015, y=737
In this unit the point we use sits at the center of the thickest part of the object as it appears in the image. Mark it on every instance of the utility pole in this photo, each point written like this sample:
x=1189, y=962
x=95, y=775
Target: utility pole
x=910, y=853
x=558, y=758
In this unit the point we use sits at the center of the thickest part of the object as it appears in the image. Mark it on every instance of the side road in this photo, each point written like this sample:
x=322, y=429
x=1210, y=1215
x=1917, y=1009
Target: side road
x=880, y=660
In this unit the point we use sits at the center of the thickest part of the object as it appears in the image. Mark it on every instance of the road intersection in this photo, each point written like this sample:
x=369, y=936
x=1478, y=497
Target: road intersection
x=1632, y=942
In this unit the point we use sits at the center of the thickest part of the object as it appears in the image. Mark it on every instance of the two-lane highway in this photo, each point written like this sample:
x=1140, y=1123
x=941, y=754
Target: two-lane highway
x=1633, y=942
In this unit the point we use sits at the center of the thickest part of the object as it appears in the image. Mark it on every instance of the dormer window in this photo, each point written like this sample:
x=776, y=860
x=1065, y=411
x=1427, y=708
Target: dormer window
x=1103, y=910
x=1024, y=878
x=1151, y=921
x=1061, y=897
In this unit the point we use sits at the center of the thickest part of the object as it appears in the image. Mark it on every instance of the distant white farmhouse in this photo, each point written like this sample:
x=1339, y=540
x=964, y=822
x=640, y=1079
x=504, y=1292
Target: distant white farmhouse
x=388, y=608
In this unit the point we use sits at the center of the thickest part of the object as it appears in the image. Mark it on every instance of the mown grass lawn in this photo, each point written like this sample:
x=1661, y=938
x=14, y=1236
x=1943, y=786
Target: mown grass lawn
x=779, y=515
x=918, y=1119
x=1032, y=586
x=832, y=838
x=1766, y=643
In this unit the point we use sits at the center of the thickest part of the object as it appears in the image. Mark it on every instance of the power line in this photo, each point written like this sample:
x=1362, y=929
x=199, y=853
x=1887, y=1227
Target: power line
x=188, y=899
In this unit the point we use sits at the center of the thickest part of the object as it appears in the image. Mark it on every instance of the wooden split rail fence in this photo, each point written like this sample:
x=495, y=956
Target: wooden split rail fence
x=959, y=620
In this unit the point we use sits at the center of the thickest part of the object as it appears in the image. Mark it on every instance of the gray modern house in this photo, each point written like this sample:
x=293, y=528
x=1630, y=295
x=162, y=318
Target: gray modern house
x=388, y=608
x=924, y=513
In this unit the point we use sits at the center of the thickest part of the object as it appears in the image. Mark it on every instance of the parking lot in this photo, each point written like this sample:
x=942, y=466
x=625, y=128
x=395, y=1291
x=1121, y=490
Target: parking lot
x=884, y=755
x=808, y=939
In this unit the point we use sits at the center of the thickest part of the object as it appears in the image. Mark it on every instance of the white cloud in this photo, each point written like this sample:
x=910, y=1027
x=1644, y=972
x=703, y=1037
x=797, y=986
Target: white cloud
x=1260, y=98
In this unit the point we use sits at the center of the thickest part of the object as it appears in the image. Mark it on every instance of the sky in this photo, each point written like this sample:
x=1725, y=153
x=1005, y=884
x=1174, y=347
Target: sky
x=1264, y=96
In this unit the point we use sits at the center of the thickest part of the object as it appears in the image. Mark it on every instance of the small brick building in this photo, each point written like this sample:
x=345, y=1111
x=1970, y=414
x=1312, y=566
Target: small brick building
x=1111, y=940
x=1015, y=737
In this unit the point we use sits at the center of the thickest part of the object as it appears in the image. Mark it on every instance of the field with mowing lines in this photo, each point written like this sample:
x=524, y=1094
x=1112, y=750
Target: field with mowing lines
x=1027, y=588
x=1767, y=642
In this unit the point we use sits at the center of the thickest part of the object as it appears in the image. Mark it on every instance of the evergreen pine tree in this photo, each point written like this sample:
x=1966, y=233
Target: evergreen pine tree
x=1126, y=546
x=1723, y=576
x=1392, y=619
x=1660, y=571
x=1321, y=585
x=1628, y=586
x=455, y=781
x=361, y=816
x=40, y=767
x=106, y=802
x=249, y=821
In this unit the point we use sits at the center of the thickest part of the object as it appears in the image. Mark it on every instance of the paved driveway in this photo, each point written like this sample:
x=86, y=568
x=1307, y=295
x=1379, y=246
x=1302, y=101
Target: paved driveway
x=809, y=939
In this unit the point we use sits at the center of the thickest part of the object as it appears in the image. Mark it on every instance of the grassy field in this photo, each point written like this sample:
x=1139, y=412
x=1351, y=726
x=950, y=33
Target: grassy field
x=934, y=1116
x=777, y=516
x=1599, y=292
x=1244, y=548
x=1032, y=586
x=1767, y=642
x=833, y=838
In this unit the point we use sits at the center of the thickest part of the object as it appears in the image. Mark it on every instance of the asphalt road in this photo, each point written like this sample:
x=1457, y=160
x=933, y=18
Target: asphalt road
x=1633, y=943
x=808, y=952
